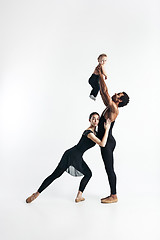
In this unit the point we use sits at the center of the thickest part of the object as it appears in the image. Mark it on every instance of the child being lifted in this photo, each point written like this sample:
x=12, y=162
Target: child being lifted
x=94, y=79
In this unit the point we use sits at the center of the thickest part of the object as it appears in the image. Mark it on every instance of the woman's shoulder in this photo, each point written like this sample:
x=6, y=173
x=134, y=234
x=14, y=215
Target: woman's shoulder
x=87, y=131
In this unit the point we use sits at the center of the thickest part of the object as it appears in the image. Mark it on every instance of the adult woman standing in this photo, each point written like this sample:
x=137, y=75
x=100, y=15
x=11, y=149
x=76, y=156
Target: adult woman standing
x=72, y=160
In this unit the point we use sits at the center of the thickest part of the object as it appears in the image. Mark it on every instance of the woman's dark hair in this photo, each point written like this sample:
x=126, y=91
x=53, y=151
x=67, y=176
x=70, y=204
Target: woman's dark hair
x=125, y=100
x=93, y=114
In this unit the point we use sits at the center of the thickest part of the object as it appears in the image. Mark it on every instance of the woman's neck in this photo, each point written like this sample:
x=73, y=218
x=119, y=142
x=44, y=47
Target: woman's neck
x=92, y=127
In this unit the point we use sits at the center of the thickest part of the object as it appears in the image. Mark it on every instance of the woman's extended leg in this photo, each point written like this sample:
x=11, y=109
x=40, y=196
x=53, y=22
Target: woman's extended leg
x=56, y=174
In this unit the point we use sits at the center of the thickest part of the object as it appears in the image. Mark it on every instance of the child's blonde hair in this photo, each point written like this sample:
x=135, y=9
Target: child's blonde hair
x=102, y=55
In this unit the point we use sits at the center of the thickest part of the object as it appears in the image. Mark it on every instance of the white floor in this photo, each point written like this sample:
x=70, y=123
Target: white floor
x=50, y=217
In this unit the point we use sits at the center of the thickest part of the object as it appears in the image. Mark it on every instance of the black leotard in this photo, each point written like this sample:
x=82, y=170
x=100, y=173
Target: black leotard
x=73, y=163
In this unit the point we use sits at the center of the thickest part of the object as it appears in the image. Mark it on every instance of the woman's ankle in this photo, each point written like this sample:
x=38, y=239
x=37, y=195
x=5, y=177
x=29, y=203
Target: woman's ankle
x=79, y=194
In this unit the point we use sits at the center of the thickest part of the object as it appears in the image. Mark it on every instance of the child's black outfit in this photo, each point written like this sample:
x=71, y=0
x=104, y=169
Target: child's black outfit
x=94, y=82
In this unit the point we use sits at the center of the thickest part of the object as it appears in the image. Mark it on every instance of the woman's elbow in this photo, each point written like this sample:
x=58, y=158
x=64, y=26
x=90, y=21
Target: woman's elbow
x=102, y=145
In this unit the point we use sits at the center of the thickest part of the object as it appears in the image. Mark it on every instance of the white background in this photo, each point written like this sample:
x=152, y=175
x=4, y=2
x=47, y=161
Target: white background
x=48, y=50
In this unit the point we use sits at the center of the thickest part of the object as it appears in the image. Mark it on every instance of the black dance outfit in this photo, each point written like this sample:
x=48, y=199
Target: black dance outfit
x=73, y=163
x=107, y=153
x=94, y=82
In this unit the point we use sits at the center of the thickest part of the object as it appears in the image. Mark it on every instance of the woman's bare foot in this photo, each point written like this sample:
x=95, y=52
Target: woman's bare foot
x=32, y=197
x=79, y=197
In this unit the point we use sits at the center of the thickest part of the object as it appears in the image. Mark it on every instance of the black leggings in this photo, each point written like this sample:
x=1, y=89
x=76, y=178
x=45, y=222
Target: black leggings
x=59, y=171
x=107, y=155
x=94, y=82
